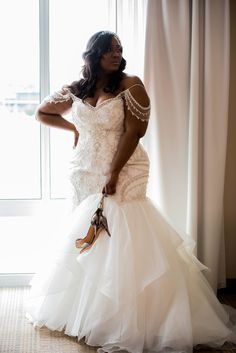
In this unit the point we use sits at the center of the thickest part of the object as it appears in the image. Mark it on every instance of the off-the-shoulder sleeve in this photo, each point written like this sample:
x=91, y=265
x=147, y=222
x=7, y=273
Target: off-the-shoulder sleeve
x=60, y=96
x=134, y=102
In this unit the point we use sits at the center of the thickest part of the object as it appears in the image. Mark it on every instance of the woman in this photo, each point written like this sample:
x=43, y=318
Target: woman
x=126, y=281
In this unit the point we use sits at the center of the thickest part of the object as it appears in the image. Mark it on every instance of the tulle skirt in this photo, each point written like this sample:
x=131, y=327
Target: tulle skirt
x=140, y=290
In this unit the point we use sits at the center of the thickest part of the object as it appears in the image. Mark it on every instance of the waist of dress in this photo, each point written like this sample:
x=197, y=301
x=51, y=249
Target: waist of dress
x=98, y=160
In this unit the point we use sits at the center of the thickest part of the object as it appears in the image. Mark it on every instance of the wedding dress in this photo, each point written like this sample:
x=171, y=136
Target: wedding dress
x=142, y=289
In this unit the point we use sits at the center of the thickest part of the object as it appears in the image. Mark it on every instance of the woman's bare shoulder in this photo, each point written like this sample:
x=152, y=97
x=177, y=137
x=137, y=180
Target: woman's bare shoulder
x=135, y=85
x=130, y=80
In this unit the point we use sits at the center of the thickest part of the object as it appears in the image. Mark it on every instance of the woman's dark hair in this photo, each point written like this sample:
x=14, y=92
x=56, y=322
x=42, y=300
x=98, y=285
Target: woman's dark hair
x=98, y=45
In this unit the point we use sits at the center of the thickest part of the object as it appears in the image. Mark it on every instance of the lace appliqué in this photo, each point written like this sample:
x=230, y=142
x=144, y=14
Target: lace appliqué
x=83, y=184
x=139, y=111
x=61, y=96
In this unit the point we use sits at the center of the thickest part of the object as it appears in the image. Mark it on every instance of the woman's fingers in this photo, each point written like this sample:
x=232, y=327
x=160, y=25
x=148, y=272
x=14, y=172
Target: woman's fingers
x=76, y=137
x=75, y=141
x=109, y=189
x=110, y=186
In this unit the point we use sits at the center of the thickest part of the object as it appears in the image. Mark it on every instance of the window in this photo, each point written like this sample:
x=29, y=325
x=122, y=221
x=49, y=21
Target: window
x=34, y=159
x=19, y=96
x=41, y=51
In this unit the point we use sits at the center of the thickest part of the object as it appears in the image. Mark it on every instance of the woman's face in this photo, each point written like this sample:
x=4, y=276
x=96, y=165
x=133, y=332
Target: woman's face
x=110, y=61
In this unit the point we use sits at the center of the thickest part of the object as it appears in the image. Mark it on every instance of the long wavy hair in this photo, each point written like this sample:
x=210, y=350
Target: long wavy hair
x=98, y=45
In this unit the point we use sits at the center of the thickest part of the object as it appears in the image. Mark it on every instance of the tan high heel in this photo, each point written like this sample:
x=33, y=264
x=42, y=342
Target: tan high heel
x=95, y=236
x=98, y=223
x=81, y=242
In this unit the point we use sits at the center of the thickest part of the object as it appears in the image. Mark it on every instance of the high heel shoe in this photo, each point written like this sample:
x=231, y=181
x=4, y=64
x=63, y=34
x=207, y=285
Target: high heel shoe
x=95, y=236
x=81, y=242
x=98, y=223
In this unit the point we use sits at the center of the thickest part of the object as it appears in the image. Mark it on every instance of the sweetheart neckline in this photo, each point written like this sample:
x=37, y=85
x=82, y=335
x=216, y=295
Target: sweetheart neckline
x=106, y=100
x=99, y=104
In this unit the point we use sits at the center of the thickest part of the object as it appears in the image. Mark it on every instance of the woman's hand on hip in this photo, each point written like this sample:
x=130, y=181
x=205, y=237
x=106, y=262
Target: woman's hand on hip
x=76, y=137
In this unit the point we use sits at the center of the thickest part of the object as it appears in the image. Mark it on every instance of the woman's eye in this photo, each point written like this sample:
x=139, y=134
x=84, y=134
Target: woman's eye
x=111, y=49
x=119, y=48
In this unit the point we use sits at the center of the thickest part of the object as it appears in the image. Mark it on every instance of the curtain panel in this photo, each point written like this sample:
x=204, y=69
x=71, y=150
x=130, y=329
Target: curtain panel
x=186, y=72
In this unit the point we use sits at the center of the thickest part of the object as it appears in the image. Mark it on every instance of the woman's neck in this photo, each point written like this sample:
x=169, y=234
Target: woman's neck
x=102, y=80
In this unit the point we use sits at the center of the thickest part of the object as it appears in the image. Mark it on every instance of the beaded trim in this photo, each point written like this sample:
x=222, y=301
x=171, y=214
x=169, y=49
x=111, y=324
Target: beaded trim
x=131, y=98
x=137, y=181
x=136, y=109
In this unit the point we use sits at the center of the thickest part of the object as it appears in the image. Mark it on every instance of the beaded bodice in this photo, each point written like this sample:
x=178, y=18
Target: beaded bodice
x=100, y=129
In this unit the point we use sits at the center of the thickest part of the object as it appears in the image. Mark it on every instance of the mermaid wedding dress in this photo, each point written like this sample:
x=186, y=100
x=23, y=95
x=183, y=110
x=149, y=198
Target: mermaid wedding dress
x=140, y=289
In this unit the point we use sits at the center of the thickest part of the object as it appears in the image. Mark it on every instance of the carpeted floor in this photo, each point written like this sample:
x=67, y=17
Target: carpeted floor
x=17, y=335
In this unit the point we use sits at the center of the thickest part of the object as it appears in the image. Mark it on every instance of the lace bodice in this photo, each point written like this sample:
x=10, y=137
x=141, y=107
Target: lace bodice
x=100, y=129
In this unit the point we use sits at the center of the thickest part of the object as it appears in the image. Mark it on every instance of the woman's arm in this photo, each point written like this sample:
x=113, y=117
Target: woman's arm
x=50, y=112
x=134, y=129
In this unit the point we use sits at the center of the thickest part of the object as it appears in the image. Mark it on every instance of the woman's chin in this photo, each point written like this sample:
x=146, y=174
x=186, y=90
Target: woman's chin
x=111, y=69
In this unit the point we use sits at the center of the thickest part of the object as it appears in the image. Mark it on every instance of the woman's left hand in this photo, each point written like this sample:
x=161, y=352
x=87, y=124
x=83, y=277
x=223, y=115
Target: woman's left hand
x=110, y=186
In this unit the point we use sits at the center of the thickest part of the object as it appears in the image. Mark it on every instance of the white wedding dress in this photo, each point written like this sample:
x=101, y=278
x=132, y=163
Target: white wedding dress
x=140, y=290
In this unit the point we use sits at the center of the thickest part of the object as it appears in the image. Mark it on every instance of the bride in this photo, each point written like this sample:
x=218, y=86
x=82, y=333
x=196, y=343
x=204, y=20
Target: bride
x=122, y=278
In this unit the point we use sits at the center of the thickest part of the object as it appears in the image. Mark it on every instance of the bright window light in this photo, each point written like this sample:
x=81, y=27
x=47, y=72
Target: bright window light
x=19, y=96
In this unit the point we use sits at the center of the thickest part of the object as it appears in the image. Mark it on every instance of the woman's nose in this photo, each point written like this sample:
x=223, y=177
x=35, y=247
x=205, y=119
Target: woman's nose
x=116, y=52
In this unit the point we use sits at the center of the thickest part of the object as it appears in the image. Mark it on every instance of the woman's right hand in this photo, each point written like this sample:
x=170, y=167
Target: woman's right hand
x=76, y=137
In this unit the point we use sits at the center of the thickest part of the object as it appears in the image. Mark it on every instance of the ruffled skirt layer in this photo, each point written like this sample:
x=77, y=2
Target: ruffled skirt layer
x=140, y=290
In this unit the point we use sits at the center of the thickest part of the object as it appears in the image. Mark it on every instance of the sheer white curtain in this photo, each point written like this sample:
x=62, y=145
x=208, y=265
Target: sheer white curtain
x=187, y=77
x=131, y=24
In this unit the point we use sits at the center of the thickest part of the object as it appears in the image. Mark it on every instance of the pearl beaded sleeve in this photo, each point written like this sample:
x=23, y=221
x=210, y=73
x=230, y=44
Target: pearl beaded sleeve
x=138, y=110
